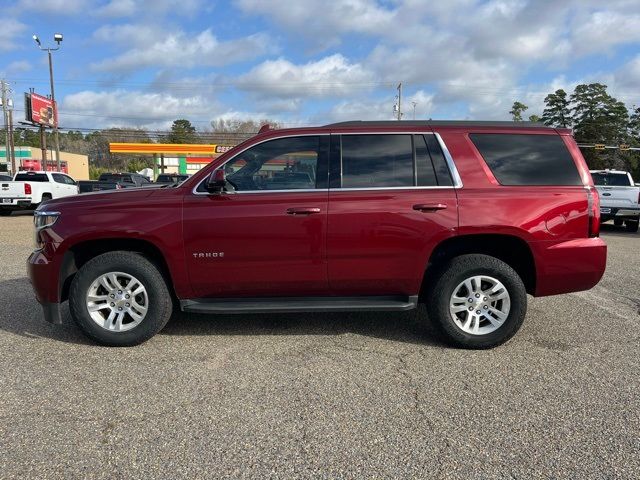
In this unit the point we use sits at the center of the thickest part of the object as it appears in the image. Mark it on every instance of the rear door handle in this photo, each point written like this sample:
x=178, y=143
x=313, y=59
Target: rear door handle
x=429, y=207
x=302, y=210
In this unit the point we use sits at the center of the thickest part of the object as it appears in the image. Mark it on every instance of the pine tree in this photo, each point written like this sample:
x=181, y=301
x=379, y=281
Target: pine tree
x=557, y=112
x=517, y=110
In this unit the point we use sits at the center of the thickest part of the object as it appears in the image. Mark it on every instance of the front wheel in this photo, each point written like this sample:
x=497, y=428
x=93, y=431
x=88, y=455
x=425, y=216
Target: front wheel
x=477, y=301
x=120, y=299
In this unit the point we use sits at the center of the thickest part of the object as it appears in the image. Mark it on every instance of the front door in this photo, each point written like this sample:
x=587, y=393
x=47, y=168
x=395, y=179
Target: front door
x=391, y=201
x=266, y=236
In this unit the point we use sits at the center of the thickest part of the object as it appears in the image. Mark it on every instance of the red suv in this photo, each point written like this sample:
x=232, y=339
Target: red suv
x=467, y=217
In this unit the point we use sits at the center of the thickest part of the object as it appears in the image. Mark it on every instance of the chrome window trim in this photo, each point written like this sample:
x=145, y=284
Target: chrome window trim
x=457, y=181
x=193, y=191
x=357, y=189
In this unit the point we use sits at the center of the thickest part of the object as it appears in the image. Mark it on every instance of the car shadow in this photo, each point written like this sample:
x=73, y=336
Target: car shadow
x=21, y=314
x=611, y=230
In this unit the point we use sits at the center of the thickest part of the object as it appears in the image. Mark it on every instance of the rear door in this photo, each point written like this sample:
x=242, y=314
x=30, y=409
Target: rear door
x=267, y=236
x=392, y=199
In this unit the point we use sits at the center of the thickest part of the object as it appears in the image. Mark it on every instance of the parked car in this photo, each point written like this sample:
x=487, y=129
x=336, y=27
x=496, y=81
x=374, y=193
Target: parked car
x=466, y=217
x=171, y=178
x=29, y=189
x=5, y=177
x=619, y=198
x=114, y=181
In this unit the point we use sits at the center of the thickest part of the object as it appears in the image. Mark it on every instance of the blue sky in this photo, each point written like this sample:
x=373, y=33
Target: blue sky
x=134, y=63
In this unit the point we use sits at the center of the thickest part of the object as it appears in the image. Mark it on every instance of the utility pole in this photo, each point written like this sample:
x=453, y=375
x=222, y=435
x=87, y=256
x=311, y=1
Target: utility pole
x=43, y=147
x=57, y=38
x=400, y=101
x=12, y=147
x=3, y=85
x=414, y=109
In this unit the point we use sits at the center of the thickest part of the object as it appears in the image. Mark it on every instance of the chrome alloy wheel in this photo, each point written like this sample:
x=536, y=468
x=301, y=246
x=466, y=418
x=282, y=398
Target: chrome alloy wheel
x=479, y=305
x=117, y=301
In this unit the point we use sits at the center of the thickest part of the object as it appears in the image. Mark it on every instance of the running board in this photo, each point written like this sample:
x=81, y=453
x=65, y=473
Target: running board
x=299, y=304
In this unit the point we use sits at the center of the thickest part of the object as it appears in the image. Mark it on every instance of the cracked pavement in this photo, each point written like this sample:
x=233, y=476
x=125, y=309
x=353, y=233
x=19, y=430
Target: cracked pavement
x=324, y=395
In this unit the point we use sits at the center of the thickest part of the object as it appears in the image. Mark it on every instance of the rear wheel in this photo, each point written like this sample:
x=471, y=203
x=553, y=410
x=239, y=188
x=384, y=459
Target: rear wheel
x=120, y=299
x=5, y=213
x=632, y=225
x=477, y=301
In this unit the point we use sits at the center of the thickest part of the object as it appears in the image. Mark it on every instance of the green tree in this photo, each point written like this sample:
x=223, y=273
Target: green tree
x=534, y=118
x=634, y=126
x=517, y=110
x=182, y=132
x=557, y=112
x=600, y=118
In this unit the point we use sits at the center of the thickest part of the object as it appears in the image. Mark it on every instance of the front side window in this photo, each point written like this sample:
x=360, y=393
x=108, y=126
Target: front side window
x=58, y=178
x=377, y=161
x=281, y=164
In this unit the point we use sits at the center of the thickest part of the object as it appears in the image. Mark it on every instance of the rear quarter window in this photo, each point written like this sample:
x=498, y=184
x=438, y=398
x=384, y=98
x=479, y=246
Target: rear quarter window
x=521, y=159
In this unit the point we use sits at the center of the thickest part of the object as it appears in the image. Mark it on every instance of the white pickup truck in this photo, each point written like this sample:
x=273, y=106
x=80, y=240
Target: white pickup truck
x=619, y=198
x=29, y=189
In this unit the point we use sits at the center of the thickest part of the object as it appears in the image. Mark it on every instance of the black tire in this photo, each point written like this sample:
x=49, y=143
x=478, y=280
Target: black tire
x=160, y=299
x=618, y=222
x=439, y=292
x=631, y=225
x=5, y=213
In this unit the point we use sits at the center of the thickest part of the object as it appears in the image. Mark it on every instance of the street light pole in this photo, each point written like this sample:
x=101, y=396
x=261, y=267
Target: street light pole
x=58, y=38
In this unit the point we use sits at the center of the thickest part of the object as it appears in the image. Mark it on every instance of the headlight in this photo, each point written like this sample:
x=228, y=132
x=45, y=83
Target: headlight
x=43, y=218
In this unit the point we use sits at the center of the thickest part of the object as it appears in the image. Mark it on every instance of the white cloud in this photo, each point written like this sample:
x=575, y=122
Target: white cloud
x=142, y=109
x=178, y=48
x=57, y=7
x=368, y=109
x=603, y=30
x=117, y=8
x=322, y=22
x=329, y=76
x=10, y=30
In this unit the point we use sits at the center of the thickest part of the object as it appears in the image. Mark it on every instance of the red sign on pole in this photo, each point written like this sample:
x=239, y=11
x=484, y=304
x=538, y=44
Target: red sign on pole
x=42, y=110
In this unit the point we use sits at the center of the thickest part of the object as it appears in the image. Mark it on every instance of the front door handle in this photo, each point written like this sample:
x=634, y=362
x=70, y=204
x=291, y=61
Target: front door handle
x=429, y=207
x=302, y=210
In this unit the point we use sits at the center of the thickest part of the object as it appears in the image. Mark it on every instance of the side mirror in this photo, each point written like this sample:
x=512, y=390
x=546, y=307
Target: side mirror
x=217, y=181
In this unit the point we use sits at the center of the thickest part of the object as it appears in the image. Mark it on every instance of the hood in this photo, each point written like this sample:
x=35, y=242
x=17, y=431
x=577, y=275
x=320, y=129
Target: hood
x=104, y=198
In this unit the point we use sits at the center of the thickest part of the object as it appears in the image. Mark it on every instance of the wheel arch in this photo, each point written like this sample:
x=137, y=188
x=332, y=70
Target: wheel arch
x=79, y=254
x=511, y=249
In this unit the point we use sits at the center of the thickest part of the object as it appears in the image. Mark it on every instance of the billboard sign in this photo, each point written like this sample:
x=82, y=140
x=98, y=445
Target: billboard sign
x=41, y=110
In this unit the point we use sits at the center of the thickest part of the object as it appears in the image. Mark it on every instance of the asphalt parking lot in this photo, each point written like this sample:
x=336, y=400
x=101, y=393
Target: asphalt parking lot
x=324, y=395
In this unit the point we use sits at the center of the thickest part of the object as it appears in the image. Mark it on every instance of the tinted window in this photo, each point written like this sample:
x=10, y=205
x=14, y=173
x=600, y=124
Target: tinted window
x=31, y=177
x=613, y=179
x=282, y=164
x=110, y=177
x=58, y=178
x=377, y=161
x=439, y=162
x=426, y=175
x=527, y=159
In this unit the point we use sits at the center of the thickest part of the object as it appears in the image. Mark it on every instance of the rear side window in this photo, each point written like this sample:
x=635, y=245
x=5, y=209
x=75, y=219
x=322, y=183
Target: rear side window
x=517, y=159
x=31, y=177
x=370, y=161
x=439, y=163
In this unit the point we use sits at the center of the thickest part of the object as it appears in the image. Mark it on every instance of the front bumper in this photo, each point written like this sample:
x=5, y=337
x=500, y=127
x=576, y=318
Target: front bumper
x=570, y=266
x=44, y=277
